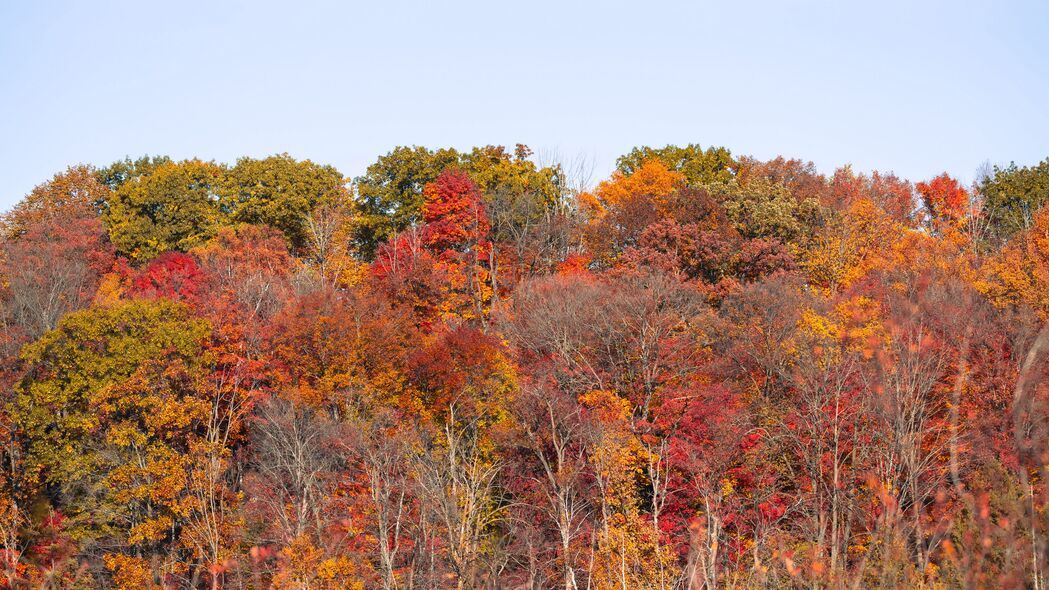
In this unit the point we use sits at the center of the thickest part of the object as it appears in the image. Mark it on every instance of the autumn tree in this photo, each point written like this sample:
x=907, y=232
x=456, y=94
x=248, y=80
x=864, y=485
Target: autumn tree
x=174, y=207
x=52, y=266
x=799, y=176
x=390, y=194
x=75, y=192
x=110, y=405
x=699, y=166
x=126, y=170
x=946, y=201
x=456, y=231
x=1018, y=274
x=280, y=192
x=1012, y=196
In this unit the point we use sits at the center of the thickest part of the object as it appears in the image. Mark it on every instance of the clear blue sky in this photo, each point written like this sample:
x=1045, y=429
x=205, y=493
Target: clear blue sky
x=913, y=87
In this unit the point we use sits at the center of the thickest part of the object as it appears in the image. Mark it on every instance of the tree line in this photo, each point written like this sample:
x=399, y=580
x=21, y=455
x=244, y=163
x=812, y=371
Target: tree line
x=470, y=370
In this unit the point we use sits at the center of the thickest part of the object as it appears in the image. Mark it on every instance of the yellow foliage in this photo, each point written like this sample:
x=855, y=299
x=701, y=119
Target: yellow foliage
x=863, y=330
x=818, y=326
x=1019, y=273
x=852, y=325
x=304, y=565
x=864, y=239
x=131, y=573
x=590, y=205
x=110, y=290
x=628, y=555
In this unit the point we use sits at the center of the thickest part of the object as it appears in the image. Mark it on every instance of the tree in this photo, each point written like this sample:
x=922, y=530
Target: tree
x=294, y=470
x=280, y=191
x=390, y=194
x=499, y=172
x=551, y=470
x=699, y=166
x=126, y=170
x=248, y=275
x=51, y=267
x=652, y=180
x=76, y=192
x=383, y=445
x=628, y=348
x=1012, y=195
x=713, y=258
x=945, y=200
x=454, y=214
x=175, y=207
x=861, y=240
x=328, y=250
x=459, y=481
x=464, y=382
x=1018, y=274
x=823, y=427
x=890, y=193
x=800, y=177
x=456, y=231
x=172, y=275
x=109, y=405
x=762, y=209
x=707, y=373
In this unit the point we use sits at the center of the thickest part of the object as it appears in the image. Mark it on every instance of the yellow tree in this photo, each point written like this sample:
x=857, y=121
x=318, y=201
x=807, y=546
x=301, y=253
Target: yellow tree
x=117, y=405
x=1019, y=273
x=863, y=239
x=627, y=552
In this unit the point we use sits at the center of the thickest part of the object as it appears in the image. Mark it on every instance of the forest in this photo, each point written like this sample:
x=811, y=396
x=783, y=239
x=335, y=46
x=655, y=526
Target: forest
x=477, y=369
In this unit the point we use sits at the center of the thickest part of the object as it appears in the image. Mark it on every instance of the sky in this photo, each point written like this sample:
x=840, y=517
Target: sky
x=913, y=87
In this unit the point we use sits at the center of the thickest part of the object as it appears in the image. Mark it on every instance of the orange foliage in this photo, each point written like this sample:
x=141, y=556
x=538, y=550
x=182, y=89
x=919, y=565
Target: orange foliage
x=653, y=180
x=1019, y=273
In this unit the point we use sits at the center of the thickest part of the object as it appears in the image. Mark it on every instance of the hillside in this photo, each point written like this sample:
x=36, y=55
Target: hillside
x=467, y=369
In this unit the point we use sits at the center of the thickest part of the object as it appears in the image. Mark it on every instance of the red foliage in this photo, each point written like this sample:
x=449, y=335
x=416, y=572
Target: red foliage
x=407, y=275
x=172, y=275
x=458, y=366
x=51, y=267
x=944, y=198
x=454, y=214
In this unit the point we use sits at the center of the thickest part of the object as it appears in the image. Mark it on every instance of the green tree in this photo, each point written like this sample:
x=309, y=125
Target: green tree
x=127, y=169
x=174, y=207
x=498, y=172
x=280, y=191
x=765, y=209
x=700, y=167
x=1012, y=195
x=390, y=194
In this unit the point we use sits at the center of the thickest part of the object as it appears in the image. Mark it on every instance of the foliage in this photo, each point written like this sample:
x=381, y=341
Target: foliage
x=174, y=207
x=279, y=191
x=390, y=195
x=95, y=388
x=1013, y=194
x=698, y=166
x=707, y=372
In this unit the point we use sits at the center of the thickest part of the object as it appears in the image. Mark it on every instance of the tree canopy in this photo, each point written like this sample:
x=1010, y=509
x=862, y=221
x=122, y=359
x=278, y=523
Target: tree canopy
x=465, y=371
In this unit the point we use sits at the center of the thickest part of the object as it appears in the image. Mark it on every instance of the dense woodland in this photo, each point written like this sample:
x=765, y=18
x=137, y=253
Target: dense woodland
x=474, y=370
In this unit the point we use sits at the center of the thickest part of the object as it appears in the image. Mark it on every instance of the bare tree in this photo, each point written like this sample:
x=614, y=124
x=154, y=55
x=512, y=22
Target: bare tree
x=459, y=483
x=294, y=463
x=553, y=430
x=384, y=453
